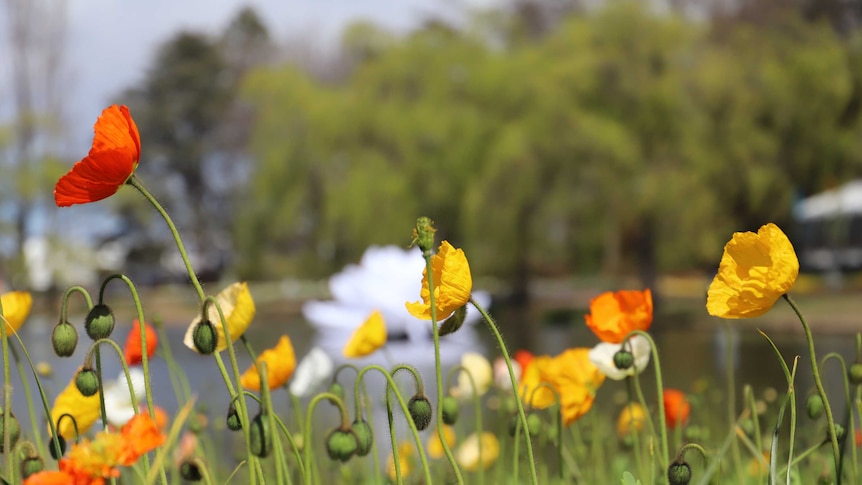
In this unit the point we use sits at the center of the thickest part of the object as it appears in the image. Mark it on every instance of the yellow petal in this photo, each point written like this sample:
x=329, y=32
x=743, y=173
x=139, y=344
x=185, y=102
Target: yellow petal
x=238, y=307
x=369, y=337
x=468, y=454
x=84, y=410
x=452, y=284
x=280, y=364
x=16, y=308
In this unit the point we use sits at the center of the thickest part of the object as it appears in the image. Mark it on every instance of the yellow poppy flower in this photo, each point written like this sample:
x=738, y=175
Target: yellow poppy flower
x=238, y=308
x=369, y=337
x=576, y=379
x=16, y=308
x=468, y=453
x=452, y=284
x=755, y=271
x=435, y=446
x=85, y=410
x=280, y=363
x=531, y=378
x=477, y=367
x=631, y=419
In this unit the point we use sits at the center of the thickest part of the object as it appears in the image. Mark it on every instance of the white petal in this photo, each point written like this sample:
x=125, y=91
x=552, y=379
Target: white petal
x=313, y=371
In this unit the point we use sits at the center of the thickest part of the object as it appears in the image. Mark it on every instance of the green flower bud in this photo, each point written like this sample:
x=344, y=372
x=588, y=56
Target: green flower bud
x=12, y=428
x=453, y=323
x=64, y=338
x=205, y=337
x=341, y=444
x=450, y=410
x=420, y=411
x=679, y=473
x=87, y=381
x=31, y=465
x=840, y=432
x=260, y=436
x=423, y=233
x=855, y=373
x=364, y=436
x=233, y=421
x=534, y=424
x=624, y=360
x=100, y=322
x=337, y=389
x=814, y=406
x=56, y=453
x=190, y=471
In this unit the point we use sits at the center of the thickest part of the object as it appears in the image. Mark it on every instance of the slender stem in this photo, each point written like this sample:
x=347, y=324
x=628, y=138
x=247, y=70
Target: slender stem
x=522, y=416
x=306, y=438
x=731, y=398
x=37, y=435
x=851, y=427
x=818, y=382
x=7, y=389
x=477, y=410
x=633, y=425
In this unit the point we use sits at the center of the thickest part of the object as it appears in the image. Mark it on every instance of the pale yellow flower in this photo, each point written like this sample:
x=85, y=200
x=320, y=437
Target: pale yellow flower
x=435, y=446
x=468, y=453
x=280, y=363
x=474, y=365
x=85, y=410
x=755, y=271
x=406, y=458
x=16, y=308
x=238, y=308
x=452, y=284
x=632, y=418
x=369, y=337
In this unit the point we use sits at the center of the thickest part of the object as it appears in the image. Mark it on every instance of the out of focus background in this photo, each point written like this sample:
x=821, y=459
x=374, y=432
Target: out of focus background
x=570, y=147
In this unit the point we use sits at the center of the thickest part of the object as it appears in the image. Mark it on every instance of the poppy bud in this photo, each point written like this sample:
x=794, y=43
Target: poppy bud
x=679, y=473
x=534, y=424
x=204, y=337
x=840, y=432
x=855, y=373
x=624, y=360
x=260, y=436
x=233, y=421
x=31, y=465
x=814, y=406
x=450, y=410
x=100, y=322
x=453, y=323
x=12, y=428
x=364, y=436
x=337, y=389
x=420, y=411
x=56, y=452
x=64, y=338
x=87, y=381
x=190, y=471
x=341, y=444
x=423, y=233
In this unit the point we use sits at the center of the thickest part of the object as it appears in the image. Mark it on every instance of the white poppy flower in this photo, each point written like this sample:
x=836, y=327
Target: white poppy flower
x=313, y=372
x=482, y=375
x=602, y=356
x=118, y=399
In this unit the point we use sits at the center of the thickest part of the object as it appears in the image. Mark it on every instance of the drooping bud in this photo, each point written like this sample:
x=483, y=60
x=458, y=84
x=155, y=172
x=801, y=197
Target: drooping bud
x=624, y=360
x=11, y=427
x=31, y=465
x=337, y=389
x=840, y=432
x=854, y=374
x=260, y=436
x=190, y=471
x=100, y=322
x=423, y=233
x=420, y=411
x=453, y=323
x=814, y=406
x=205, y=337
x=233, y=421
x=534, y=424
x=64, y=338
x=56, y=452
x=364, y=436
x=450, y=410
x=679, y=473
x=87, y=381
x=341, y=444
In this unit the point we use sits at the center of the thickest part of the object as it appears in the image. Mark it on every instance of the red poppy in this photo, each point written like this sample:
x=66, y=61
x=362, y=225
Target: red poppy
x=133, y=350
x=676, y=408
x=111, y=161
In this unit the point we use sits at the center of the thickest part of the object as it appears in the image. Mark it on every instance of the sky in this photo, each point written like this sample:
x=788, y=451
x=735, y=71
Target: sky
x=110, y=43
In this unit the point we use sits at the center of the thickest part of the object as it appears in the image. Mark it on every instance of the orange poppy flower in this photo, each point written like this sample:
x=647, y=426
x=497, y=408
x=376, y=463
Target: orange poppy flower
x=676, y=408
x=614, y=314
x=280, y=364
x=111, y=161
x=133, y=351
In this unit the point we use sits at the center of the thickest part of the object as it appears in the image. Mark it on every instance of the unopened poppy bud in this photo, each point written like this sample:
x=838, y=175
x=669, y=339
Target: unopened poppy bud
x=58, y=450
x=87, y=381
x=341, y=444
x=420, y=411
x=364, y=436
x=840, y=432
x=31, y=465
x=453, y=323
x=190, y=471
x=64, y=338
x=260, y=436
x=100, y=322
x=814, y=406
x=204, y=337
x=534, y=424
x=337, y=389
x=11, y=427
x=624, y=360
x=679, y=473
x=855, y=373
x=423, y=233
x=233, y=421
x=450, y=410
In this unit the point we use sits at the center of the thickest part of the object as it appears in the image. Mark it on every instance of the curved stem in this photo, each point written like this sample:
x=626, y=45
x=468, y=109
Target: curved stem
x=660, y=393
x=306, y=438
x=67, y=294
